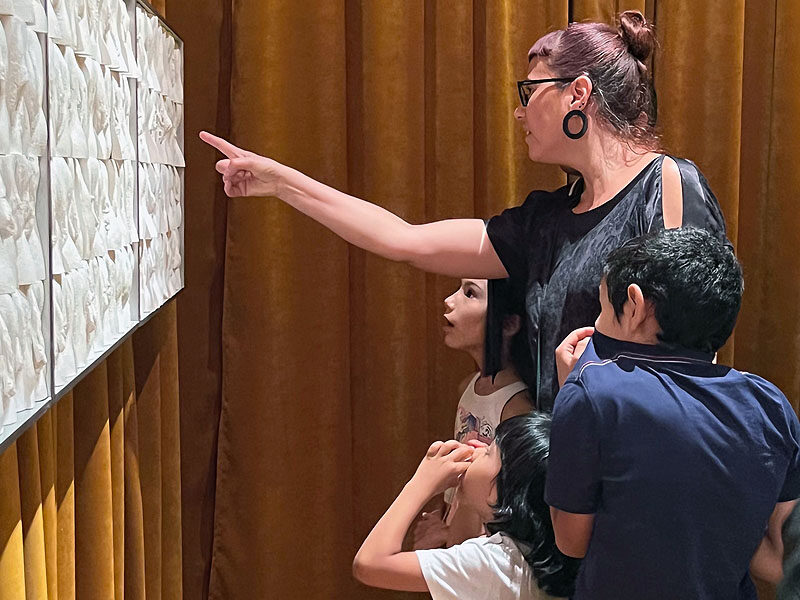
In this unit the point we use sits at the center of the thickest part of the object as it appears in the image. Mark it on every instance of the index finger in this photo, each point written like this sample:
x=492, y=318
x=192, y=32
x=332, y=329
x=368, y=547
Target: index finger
x=223, y=146
x=434, y=448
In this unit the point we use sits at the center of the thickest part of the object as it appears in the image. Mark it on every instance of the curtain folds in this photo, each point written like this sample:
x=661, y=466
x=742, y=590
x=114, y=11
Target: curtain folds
x=72, y=520
x=332, y=374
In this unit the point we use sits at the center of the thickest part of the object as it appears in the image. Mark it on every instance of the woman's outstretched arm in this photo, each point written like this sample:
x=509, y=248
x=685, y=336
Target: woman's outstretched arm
x=455, y=247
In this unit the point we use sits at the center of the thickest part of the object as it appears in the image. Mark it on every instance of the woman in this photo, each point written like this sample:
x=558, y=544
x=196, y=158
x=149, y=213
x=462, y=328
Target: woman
x=588, y=105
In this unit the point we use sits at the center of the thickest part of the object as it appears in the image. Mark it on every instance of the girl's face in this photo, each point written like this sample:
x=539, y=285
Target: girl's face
x=479, y=486
x=542, y=118
x=465, y=316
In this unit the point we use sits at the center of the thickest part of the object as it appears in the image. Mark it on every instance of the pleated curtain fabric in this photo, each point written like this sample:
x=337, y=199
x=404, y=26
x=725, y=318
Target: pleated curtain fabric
x=73, y=523
x=329, y=362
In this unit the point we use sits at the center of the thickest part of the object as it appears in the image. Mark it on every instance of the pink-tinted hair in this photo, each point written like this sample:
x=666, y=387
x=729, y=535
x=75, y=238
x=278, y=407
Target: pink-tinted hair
x=613, y=58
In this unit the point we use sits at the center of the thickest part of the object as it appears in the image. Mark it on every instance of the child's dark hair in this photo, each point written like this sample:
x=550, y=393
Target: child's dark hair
x=521, y=512
x=692, y=278
x=504, y=297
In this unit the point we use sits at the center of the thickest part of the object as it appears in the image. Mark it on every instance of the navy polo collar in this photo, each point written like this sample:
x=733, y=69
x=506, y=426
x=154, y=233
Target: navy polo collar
x=610, y=348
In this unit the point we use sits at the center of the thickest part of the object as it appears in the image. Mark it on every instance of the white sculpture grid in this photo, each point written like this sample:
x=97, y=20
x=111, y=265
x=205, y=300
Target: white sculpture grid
x=111, y=262
x=161, y=161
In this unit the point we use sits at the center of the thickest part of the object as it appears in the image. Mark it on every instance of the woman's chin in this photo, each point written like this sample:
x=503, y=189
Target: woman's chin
x=535, y=155
x=533, y=151
x=538, y=155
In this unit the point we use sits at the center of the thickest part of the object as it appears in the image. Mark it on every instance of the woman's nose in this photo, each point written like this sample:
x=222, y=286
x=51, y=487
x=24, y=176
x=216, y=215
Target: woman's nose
x=519, y=113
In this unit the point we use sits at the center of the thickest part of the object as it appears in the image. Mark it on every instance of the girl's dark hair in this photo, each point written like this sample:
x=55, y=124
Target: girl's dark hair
x=614, y=59
x=521, y=512
x=505, y=298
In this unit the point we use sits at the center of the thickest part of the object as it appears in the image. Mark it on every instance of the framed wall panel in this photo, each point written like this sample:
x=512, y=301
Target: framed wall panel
x=25, y=340
x=161, y=159
x=79, y=154
x=93, y=183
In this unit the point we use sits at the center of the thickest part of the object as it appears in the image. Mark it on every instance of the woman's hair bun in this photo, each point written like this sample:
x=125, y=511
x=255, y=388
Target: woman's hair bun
x=637, y=33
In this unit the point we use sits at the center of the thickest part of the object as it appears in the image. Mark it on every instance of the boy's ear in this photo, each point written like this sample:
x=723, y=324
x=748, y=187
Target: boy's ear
x=511, y=325
x=638, y=308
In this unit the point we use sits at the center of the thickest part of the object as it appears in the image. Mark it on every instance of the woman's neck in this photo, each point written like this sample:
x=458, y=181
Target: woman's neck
x=607, y=166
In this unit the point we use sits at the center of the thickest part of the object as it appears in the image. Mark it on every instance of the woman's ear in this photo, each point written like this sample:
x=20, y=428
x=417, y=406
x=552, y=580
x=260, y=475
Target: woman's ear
x=511, y=325
x=581, y=90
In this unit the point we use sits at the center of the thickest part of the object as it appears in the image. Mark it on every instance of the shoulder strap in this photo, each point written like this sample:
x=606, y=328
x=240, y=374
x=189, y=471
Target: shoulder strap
x=513, y=389
x=470, y=389
x=573, y=186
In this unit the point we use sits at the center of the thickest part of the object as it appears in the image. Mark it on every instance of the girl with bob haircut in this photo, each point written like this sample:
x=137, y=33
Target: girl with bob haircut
x=504, y=482
x=484, y=319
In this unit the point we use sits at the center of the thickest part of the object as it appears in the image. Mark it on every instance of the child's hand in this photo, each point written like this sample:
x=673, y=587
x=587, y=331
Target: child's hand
x=442, y=466
x=430, y=531
x=570, y=350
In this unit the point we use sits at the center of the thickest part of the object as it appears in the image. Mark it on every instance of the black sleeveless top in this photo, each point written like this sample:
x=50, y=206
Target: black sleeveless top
x=559, y=255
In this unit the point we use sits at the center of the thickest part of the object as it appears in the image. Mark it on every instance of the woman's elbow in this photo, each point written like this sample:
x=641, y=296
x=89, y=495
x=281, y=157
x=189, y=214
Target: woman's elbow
x=405, y=246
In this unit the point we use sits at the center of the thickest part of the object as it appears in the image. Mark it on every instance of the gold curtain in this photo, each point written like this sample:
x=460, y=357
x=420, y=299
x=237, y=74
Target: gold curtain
x=73, y=523
x=313, y=374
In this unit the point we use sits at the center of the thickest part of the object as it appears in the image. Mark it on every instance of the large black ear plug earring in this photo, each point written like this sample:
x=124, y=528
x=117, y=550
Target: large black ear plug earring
x=584, y=124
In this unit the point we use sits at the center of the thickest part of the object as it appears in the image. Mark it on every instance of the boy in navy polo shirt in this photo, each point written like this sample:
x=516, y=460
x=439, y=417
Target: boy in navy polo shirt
x=665, y=468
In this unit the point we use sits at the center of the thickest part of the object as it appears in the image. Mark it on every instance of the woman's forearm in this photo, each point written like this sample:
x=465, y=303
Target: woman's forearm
x=455, y=247
x=359, y=222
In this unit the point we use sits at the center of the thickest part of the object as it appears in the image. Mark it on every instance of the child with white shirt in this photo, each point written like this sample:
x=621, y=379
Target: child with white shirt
x=504, y=483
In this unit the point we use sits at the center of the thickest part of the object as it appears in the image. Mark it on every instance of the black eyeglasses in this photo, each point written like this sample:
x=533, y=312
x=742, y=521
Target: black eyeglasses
x=526, y=86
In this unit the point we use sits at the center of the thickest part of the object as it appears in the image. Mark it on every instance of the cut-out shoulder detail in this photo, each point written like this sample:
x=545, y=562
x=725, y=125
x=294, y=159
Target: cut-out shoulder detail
x=671, y=194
